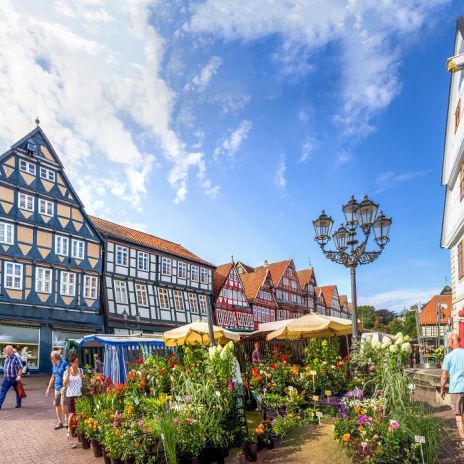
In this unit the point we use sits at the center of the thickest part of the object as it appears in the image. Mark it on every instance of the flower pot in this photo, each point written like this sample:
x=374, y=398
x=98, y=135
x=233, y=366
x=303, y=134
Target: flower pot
x=277, y=442
x=79, y=437
x=194, y=460
x=85, y=443
x=116, y=461
x=129, y=461
x=105, y=456
x=252, y=452
x=97, y=449
x=270, y=444
x=241, y=459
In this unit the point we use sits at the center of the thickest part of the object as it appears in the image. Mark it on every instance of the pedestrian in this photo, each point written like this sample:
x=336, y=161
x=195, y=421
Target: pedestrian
x=12, y=372
x=98, y=365
x=453, y=365
x=256, y=356
x=59, y=366
x=24, y=358
x=73, y=383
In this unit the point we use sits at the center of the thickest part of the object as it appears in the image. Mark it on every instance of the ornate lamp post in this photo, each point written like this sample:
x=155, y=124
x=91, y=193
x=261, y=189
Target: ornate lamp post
x=360, y=220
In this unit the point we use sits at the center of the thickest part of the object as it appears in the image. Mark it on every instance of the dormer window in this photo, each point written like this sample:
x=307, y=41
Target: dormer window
x=32, y=148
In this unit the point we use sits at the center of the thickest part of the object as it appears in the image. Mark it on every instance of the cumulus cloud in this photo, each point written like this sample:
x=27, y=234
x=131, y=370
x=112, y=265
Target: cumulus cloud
x=231, y=144
x=201, y=80
x=98, y=92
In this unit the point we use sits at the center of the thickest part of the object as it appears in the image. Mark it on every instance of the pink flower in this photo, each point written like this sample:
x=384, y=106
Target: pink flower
x=231, y=385
x=371, y=368
x=176, y=421
x=117, y=416
x=191, y=421
x=140, y=422
x=394, y=425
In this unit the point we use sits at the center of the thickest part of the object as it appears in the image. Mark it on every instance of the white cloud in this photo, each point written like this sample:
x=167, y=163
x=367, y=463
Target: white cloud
x=231, y=144
x=231, y=104
x=97, y=91
x=388, y=179
x=279, y=177
x=369, y=37
x=201, y=80
x=397, y=299
x=307, y=150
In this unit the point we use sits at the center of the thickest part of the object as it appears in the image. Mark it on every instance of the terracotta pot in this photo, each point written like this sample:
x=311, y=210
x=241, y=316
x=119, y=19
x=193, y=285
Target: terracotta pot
x=85, y=443
x=97, y=449
x=105, y=456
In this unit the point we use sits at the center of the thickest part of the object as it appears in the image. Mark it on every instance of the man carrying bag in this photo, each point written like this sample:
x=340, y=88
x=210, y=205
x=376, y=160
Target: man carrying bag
x=12, y=371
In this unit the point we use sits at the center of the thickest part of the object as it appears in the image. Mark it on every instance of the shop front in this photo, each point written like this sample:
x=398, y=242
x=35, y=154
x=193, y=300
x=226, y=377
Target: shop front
x=22, y=337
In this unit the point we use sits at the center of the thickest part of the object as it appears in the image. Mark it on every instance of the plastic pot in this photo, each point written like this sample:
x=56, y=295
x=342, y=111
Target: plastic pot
x=97, y=449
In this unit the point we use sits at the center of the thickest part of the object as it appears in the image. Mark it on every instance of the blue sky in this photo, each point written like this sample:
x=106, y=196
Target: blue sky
x=228, y=126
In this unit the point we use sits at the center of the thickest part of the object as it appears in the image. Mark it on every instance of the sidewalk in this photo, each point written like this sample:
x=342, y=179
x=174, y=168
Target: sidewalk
x=29, y=430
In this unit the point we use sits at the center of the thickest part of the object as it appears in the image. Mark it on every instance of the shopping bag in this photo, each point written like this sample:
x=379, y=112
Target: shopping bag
x=20, y=390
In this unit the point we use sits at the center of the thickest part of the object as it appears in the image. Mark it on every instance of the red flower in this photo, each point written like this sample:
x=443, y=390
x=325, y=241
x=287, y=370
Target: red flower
x=276, y=355
x=140, y=360
x=283, y=358
x=273, y=365
x=275, y=348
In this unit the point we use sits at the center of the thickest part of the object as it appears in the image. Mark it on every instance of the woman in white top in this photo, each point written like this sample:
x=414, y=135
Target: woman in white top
x=72, y=381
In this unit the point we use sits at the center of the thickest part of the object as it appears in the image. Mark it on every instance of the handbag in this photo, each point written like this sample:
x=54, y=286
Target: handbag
x=20, y=389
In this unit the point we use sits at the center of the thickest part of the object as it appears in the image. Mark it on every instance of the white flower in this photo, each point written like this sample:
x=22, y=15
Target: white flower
x=406, y=338
x=386, y=342
x=376, y=344
x=223, y=355
x=399, y=341
x=399, y=335
x=393, y=348
x=212, y=352
x=405, y=347
x=219, y=348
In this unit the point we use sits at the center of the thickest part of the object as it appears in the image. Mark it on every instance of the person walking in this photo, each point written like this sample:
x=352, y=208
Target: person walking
x=256, y=356
x=98, y=365
x=24, y=358
x=73, y=383
x=59, y=366
x=12, y=372
x=453, y=366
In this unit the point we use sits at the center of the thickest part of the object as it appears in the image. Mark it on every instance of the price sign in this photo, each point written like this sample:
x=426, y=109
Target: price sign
x=315, y=398
x=328, y=393
x=419, y=439
x=313, y=373
x=319, y=414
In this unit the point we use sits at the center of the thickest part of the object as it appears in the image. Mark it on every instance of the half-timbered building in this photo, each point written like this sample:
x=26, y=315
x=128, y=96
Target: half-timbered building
x=321, y=305
x=231, y=307
x=50, y=253
x=330, y=293
x=345, y=306
x=151, y=284
x=260, y=293
x=307, y=279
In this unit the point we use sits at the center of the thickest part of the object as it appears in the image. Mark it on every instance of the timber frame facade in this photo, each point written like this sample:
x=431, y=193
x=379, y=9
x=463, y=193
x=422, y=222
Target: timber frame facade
x=50, y=253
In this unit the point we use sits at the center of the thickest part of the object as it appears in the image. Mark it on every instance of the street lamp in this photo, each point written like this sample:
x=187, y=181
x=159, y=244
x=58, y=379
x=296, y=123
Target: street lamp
x=349, y=250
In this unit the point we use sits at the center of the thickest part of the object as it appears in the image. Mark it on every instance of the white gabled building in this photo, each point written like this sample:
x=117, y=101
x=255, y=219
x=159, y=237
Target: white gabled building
x=452, y=236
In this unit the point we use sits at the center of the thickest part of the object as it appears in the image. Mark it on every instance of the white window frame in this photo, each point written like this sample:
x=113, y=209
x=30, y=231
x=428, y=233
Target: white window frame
x=193, y=303
x=123, y=253
x=195, y=273
x=183, y=265
x=179, y=300
x=27, y=166
x=68, y=283
x=77, y=249
x=204, y=276
x=143, y=261
x=203, y=302
x=120, y=292
x=6, y=233
x=90, y=287
x=163, y=297
x=141, y=294
x=166, y=266
x=46, y=207
x=43, y=280
x=61, y=245
x=26, y=200
x=13, y=275
x=47, y=174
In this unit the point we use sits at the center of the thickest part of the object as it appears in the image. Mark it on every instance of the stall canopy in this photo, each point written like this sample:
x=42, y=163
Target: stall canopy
x=117, y=351
x=198, y=333
x=309, y=326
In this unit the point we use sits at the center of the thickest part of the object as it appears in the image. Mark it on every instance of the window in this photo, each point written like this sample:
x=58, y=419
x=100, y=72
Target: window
x=182, y=270
x=166, y=265
x=26, y=202
x=203, y=304
x=178, y=300
x=141, y=292
x=193, y=303
x=43, y=280
x=204, y=276
x=13, y=276
x=46, y=207
x=460, y=260
x=68, y=283
x=195, y=273
x=163, y=298
x=122, y=255
x=90, y=287
x=120, y=291
x=61, y=245
x=142, y=261
x=26, y=166
x=457, y=116
x=47, y=174
x=6, y=233
x=77, y=249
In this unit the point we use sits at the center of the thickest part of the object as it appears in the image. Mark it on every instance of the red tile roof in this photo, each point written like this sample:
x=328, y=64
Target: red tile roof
x=328, y=291
x=343, y=299
x=305, y=276
x=245, y=266
x=116, y=231
x=318, y=291
x=252, y=283
x=277, y=270
x=220, y=276
x=428, y=315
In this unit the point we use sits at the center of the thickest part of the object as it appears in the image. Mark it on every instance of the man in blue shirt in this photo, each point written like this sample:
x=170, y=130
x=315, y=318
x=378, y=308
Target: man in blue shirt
x=12, y=371
x=59, y=367
x=453, y=365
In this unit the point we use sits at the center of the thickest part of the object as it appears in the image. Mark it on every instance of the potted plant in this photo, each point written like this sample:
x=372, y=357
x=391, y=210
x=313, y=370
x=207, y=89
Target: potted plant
x=250, y=447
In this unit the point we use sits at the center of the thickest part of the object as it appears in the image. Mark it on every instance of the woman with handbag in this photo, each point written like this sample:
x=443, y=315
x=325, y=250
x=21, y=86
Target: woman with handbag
x=73, y=383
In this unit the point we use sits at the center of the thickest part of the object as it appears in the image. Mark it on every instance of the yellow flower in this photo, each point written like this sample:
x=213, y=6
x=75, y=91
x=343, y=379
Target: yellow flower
x=363, y=411
x=357, y=408
x=346, y=437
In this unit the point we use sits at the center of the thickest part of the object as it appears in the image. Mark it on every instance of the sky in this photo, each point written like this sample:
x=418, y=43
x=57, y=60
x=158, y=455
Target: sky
x=227, y=126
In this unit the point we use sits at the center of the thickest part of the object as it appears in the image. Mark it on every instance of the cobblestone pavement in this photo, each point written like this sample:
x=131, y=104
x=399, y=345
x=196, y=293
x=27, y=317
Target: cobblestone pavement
x=27, y=434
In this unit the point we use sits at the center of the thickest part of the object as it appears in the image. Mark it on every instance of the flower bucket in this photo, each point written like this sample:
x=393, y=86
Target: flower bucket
x=116, y=461
x=85, y=443
x=97, y=449
x=252, y=452
x=105, y=456
x=129, y=461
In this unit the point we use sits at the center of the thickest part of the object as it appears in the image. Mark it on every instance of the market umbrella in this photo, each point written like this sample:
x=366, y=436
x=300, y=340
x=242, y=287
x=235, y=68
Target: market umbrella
x=198, y=333
x=312, y=325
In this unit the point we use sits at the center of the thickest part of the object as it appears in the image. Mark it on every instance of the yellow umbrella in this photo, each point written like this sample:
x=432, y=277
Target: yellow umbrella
x=198, y=333
x=312, y=325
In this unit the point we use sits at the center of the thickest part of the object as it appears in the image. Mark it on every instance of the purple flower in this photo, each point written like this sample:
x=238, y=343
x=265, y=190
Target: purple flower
x=113, y=424
x=363, y=419
x=117, y=416
x=394, y=425
x=356, y=393
x=343, y=410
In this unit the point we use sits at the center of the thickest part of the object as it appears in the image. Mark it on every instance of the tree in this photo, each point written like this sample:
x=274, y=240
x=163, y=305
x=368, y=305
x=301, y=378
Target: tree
x=409, y=326
x=367, y=315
